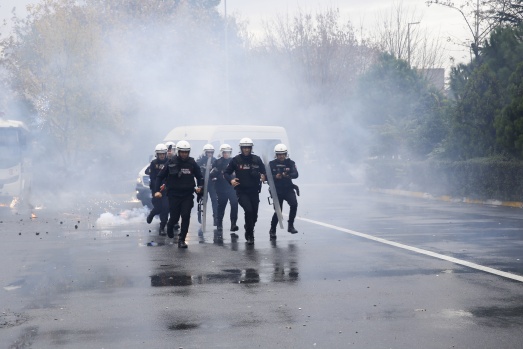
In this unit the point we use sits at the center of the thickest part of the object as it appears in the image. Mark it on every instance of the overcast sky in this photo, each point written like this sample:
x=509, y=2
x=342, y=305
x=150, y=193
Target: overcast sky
x=442, y=22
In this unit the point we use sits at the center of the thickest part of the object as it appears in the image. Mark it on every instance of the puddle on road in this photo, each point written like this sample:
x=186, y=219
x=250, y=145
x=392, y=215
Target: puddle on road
x=235, y=276
x=182, y=326
x=279, y=265
x=411, y=272
x=498, y=316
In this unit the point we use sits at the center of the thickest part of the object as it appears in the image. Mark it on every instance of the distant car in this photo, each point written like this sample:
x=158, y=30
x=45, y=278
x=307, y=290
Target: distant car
x=143, y=192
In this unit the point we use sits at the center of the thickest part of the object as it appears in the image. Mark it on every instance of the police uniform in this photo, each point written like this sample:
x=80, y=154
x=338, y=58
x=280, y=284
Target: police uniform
x=160, y=205
x=179, y=178
x=285, y=190
x=202, y=162
x=225, y=192
x=248, y=169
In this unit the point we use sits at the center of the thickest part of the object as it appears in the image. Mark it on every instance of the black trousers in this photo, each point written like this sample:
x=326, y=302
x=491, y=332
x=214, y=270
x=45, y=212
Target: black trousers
x=223, y=197
x=180, y=206
x=249, y=201
x=289, y=196
x=214, y=198
x=161, y=207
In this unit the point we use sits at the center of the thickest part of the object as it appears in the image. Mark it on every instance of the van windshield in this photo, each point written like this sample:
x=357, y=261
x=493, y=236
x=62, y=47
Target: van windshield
x=197, y=148
x=261, y=146
x=10, y=147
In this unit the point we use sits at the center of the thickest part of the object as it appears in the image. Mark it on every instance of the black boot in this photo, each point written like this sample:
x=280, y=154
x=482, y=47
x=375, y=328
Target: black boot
x=272, y=233
x=234, y=227
x=150, y=217
x=161, y=231
x=170, y=232
x=291, y=229
x=182, y=244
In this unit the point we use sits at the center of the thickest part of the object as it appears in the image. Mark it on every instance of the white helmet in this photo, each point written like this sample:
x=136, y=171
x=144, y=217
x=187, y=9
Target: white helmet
x=183, y=146
x=160, y=149
x=208, y=147
x=171, y=144
x=280, y=149
x=225, y=147
x=246, y=142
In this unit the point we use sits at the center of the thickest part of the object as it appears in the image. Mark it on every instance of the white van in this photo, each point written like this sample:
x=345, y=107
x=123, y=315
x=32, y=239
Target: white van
x=264, y=137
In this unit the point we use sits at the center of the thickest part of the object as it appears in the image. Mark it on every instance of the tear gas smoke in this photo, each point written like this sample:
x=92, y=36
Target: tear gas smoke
x=170, y=71
x=134, y=216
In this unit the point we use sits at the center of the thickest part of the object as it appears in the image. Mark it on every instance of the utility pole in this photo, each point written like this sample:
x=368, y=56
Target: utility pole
x=408, y=39
x=227, y=92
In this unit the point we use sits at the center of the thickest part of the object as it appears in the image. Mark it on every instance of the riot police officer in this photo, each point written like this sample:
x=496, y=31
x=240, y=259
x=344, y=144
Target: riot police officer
x=171, y=152
x=179, y=175
x=250, y=173
x=160, y=205
x=171, y=149
x=284, y=171
x=208, y=152
x=224, y=190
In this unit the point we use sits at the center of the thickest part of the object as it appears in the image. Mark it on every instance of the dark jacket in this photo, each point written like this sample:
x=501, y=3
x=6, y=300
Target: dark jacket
x=179, y=176
x=202, y=162
x=153, y=169
x=248, y=170
x=288, y=169
x=221, y=184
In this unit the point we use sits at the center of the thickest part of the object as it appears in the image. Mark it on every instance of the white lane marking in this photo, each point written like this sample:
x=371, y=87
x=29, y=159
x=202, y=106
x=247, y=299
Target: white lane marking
x=419, y=250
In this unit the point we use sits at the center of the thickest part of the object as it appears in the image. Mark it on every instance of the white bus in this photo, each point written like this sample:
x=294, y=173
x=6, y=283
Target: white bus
x=15, y=180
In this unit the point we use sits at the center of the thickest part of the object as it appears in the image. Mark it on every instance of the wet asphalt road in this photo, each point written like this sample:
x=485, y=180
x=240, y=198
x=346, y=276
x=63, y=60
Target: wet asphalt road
x=112, y=282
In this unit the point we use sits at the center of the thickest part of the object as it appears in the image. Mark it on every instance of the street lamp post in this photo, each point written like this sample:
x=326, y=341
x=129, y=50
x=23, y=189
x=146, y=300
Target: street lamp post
x=226, y=60
x=408, y=39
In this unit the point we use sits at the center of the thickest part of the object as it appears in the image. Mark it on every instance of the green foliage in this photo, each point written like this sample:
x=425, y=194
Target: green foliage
x=503, y=52
x=404, y=112
x=472, y=133
x=509, y=125
x=459, y=75
x=484, y=120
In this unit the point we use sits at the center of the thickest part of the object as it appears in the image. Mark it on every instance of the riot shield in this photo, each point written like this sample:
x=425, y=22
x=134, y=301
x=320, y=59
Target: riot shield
x=205, y=192
x=274, y=194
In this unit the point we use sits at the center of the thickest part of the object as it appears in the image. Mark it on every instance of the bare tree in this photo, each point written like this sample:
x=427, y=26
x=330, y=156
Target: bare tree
x=322, y=51
x=507, y=11
x=478, y=15
x=400, y=32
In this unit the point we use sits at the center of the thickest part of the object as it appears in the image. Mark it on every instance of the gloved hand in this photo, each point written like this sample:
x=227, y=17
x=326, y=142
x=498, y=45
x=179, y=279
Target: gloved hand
x=199, y=194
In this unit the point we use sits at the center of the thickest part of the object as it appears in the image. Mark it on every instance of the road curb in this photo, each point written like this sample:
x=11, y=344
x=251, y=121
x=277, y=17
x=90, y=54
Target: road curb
x=447, y=198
